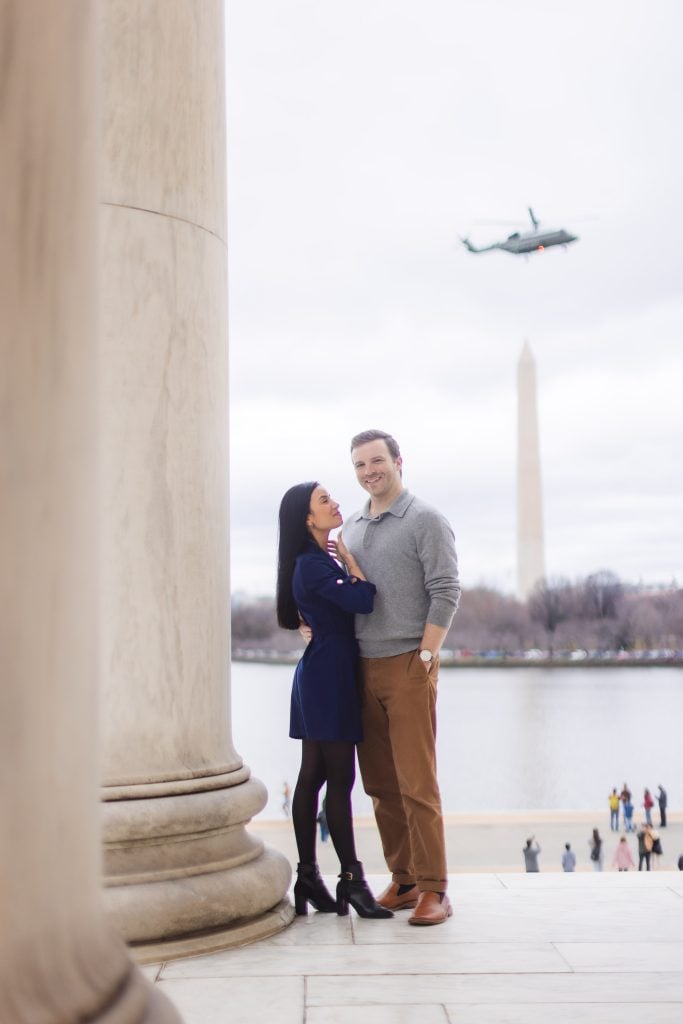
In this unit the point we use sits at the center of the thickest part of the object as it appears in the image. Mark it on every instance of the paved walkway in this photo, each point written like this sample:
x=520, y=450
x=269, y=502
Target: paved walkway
x=587, y=948
x=520, y=949
x=491, y=842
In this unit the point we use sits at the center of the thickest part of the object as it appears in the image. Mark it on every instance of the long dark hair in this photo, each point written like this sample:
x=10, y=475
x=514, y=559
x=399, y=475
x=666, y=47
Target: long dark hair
x=293, y=537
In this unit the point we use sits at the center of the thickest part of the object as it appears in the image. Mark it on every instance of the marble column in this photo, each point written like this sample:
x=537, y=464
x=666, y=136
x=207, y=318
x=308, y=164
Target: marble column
x=530, y=553
x=183, y=874
x=60, y=958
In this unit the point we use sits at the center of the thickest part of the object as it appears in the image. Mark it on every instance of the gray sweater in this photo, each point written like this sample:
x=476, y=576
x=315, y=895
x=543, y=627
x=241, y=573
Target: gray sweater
x=408, y=552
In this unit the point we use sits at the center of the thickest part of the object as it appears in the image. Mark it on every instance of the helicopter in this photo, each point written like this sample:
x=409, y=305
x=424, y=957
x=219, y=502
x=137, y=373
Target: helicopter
x=521, y=243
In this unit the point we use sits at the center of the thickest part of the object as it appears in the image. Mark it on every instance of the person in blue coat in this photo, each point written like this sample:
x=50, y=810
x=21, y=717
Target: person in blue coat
x=313, y=588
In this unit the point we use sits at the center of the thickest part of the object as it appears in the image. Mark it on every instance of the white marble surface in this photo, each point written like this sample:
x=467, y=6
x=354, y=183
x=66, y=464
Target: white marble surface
x=60, y=959
x=176, y=871
x=573, y=953
x=524, y=987
x=163, y=102
x=565, y=1013
x=232, y=1000
x=386, y=959
x=165, y=502
x=652, y=956
x=412, y=1013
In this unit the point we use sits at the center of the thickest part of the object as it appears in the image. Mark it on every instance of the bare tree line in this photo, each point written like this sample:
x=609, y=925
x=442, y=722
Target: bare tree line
x=597, y=617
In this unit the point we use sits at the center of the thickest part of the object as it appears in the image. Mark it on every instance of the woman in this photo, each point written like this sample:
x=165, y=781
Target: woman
x=622, y=856
x=595, y=843
x=325, y=711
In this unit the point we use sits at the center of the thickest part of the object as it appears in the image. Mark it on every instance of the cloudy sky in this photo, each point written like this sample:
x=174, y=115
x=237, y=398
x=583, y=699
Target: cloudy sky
x=363, y=138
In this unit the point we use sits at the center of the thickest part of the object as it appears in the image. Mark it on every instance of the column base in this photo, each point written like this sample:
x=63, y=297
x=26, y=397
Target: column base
x=216, y=939
x=182, y=873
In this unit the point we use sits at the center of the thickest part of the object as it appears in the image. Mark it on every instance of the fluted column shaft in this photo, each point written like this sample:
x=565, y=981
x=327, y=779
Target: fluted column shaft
x=60, y=960
x=177, y=795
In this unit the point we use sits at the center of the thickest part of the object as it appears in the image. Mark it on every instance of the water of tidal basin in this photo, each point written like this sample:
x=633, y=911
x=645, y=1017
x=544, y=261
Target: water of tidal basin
x=509, y=739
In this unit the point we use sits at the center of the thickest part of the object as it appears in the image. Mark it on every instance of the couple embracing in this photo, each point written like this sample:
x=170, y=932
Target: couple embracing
x=378, y=602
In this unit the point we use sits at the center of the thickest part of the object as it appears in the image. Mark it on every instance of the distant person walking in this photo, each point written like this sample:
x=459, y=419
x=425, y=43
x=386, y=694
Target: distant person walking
x=531, y=852
x=285, y=799
x=322, y=822
x=625, y=797
x=614, y=810
x=623, y=859
x=661, y=800
x=568, y=858
x=596, y=854
x=648, y=804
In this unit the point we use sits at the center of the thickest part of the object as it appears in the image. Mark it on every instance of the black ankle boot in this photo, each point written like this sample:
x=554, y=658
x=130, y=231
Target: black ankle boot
x=310, y=888
x=352, y=888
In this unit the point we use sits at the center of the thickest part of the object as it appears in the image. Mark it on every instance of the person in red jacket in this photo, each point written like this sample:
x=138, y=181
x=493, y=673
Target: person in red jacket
x=648, y=804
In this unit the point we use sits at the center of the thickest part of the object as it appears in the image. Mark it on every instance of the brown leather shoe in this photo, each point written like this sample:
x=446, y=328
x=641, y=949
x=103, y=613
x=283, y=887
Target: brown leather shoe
x=430, y=909
x=392, y=901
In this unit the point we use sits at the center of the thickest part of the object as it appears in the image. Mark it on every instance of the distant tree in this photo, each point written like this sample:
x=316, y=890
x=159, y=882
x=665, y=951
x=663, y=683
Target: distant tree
x=596, y=613
x=253, y=619
x=511, y=626
x=601, y=595
x=487, y=620
x=625, y=632
x=550, y=603
x=647, y=623
x=672, y=620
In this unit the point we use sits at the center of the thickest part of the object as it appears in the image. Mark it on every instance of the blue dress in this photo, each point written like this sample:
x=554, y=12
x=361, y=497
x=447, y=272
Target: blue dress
x=325, y=702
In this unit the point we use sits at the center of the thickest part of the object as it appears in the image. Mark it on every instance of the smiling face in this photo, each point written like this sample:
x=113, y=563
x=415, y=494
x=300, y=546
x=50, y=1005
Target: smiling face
x=324, y=515
x=378, y=473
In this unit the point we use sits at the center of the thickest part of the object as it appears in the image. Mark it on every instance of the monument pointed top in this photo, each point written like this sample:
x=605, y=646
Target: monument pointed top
x=526, y=353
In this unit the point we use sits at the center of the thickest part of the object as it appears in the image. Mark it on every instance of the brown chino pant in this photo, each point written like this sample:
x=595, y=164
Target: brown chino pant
x=397, y=761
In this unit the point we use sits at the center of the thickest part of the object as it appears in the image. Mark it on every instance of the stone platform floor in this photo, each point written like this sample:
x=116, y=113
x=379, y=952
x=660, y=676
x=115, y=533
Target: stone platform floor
x=550, y=948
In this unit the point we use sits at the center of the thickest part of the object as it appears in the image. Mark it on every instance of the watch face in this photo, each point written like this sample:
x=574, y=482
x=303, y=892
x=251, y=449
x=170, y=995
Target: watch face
x=426, y=655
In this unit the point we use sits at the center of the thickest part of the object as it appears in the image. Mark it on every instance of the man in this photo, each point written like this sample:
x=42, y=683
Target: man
x=531, y=852
x=407, y=549
x=568, y=858
x=662, y=801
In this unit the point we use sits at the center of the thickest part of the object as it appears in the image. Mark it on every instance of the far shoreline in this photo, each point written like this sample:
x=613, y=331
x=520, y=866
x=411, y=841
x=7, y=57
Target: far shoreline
x=243, y=656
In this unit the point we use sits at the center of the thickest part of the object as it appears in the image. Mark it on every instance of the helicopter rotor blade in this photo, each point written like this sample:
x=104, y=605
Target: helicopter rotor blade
x=498, y=223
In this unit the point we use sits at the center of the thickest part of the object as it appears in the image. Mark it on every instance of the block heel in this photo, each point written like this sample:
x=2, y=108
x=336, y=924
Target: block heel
x=352, y=888
x=310, y=888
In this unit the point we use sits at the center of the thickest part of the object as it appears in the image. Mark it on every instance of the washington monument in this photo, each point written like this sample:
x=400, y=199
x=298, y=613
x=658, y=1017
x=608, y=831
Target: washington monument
x=530, y=556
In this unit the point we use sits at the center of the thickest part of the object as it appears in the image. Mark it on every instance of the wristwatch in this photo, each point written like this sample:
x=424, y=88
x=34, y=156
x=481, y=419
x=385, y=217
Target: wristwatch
x=426, y=655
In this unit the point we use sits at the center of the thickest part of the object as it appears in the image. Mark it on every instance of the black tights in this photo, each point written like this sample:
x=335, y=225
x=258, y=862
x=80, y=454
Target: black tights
x=321, y=762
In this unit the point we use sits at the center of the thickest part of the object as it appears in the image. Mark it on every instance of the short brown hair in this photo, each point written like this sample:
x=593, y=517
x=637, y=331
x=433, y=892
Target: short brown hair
x=377, y=435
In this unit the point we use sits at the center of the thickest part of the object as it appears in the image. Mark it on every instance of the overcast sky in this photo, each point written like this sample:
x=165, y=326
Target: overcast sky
x=363, y=138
